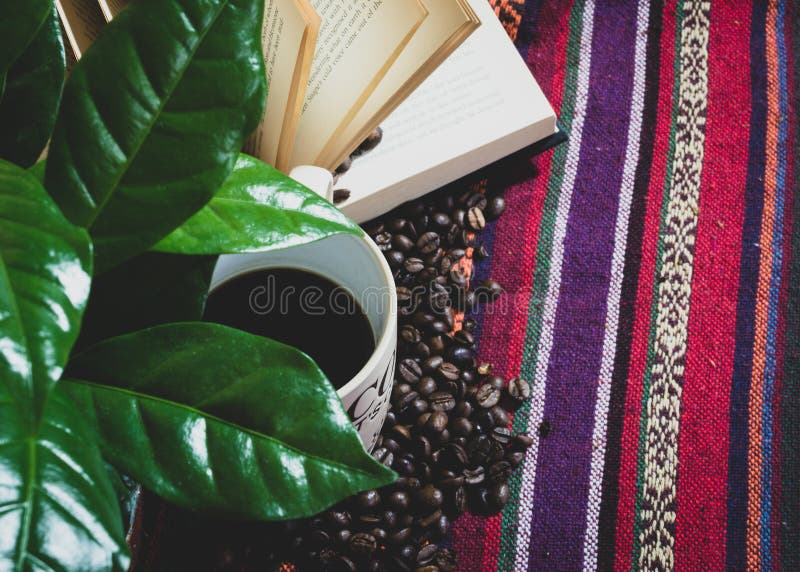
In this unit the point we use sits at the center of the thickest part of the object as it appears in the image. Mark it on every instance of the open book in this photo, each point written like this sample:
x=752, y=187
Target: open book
x=336, y=69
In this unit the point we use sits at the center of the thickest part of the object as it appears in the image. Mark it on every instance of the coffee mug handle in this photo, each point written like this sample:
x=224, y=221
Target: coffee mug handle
x=317, y=179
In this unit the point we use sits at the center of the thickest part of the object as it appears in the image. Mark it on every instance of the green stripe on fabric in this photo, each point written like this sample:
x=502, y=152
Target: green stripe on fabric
x=508, y=535
x=646, y=388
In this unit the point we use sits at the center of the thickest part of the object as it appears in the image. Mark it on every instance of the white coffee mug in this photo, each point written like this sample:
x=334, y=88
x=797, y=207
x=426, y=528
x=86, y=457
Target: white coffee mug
x=355, y=264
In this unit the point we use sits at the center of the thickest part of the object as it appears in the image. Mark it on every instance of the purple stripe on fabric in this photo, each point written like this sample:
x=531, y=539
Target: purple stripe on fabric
x=564, y=457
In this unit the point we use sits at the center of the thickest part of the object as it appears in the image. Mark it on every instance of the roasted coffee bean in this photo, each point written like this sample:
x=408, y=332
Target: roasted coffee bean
x=441, y=401
x=519, y=389
x=368, y=499
x=404, y=465
x=319, y=538
x=436, y=343
x=474, y=476
x=448, y=372
x=403, y=295
x=475, y=219
x=460, y=427
x=383, y=240
x=338, y=518
x=409, y=370
x=440, y=327
x=432, y=364
x=401, y=434
x=494, y=208
x=498, y=496
x=487, y=396
x=459, y=356
x=464, y=338
x=476, y=200
x=499, y=472
x=424, y=321
x=544, y=428
x=408, y=553
x=390, y=444
x=422, y=350
x=417, y=407
x=383, y=456
x=441, y=220
x=380, y=535
x=363, y=544
x=445, y=560
x=500, y=416
x=395, y=258
x=515, y=457
x=402, y=243
x=436, y=423
x=398, y=500
x=372, y=141
x=480, y=253
x=453, y=456
x=428, y=520
x=451, y=234
x=426, y=386
x=396, y=225
x=428, y=242
x=458, y=500
x=495, y=381
x=340, y=196
x=409, y=334
x=501, y=434
x=426, y=554
x=342, y=535
x=389, y=519
x=400, y=537
x=423, y=446
x=469, y=324
x=521, y=442
x=463, y=409
x=468, y=377
x=484, y=421
x=413, y=265
x=344, y=166
x=428, y=498
x=341, y=563
x=400, y=389
x=438, y=298
x=479, y=448
x=406, y=400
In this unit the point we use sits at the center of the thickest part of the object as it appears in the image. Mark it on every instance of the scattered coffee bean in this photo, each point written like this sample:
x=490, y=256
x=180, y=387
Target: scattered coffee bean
x=519, y=389
x=494, y=208
x=340, y=196
x=475, y=219
x=487, y=396
x=428, y=242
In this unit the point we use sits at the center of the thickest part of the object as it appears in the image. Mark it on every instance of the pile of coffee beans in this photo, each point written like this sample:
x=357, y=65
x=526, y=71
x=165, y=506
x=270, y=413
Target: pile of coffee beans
x=447, y=432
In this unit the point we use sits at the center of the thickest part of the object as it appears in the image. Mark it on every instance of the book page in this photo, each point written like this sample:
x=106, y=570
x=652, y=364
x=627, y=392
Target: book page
x=449, y=23
x=82, y=21
x=111, y=8
x=479, y=106
x=288, y=38
x=358, y=41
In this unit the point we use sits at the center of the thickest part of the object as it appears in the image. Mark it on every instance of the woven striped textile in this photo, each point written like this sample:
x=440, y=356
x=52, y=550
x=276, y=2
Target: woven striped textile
x=652, y=270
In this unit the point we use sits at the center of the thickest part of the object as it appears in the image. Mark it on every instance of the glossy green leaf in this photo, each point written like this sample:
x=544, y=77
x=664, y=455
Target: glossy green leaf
x=33, y=90
x=45, y=275
x=37, y=171
x=221, y=420
x=58, y=510
x=147, y=290
x=153, y=117
x=257, y=209
x=19, y=25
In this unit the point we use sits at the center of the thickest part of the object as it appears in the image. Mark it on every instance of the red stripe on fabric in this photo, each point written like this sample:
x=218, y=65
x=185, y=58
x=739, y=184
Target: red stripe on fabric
x=704, y=437
x=644, y=298
x=477, y=539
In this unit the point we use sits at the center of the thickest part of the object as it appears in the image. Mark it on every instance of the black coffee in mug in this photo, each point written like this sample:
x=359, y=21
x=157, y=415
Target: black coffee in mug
x=300, y=309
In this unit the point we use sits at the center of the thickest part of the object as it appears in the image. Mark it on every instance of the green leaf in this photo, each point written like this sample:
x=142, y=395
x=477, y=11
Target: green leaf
x=58, y=510
x=33, y=90
x=45, y=276
x=153, y=117
x=18, y=26
x=147, y=290
x=257, y=209
x=221, y=420
x=37, y=171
